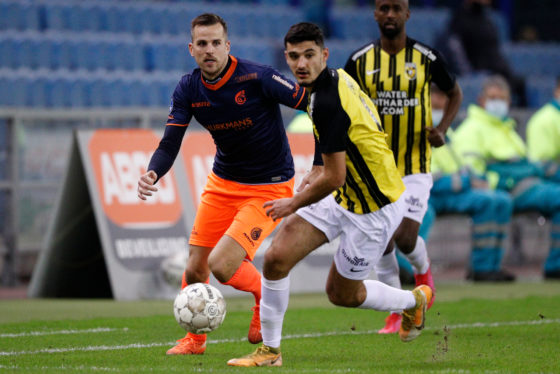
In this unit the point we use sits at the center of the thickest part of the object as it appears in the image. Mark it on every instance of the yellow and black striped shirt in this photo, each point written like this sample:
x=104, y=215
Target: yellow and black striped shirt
x=399, y=85
x=345, y=119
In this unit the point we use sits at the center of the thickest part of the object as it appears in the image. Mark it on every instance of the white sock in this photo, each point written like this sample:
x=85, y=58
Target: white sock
x=387, y=270
x=419, y=257
x=379, y=296
x=274, y=302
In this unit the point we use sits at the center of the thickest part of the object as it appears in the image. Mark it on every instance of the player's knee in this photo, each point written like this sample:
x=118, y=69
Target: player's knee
x=221, y=268
x=406, y=242
x=275, y=265
x=195, y=275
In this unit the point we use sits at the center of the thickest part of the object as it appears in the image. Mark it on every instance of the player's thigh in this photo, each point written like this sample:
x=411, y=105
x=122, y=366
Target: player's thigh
x=295, y=239
x=416, y=195
x=364, y=239
x=214, y=216
x=226, y=257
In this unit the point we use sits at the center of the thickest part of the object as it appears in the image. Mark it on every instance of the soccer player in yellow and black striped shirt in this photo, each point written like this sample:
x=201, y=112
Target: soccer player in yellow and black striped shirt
x=396, y=72
x=354, y=192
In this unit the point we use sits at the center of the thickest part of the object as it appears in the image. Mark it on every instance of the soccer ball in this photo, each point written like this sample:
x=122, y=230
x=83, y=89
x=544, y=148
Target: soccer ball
x=199, y=308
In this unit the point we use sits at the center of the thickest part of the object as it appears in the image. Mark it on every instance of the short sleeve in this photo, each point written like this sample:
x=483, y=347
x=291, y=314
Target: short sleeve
x=331, y=121
x=441, y=75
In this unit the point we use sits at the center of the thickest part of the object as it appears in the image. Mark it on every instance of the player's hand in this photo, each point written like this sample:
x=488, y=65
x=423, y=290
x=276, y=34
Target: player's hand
x=146, y=184
x=436, y=137
x=309, y=177
x=279, y=208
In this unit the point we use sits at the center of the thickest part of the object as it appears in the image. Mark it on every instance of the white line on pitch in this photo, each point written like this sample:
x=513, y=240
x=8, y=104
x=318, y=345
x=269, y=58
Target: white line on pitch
x=296, y=336
x=62, y=332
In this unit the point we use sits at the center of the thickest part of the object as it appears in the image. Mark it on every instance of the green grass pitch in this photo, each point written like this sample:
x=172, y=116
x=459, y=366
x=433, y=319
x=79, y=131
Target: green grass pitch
x=513, y=328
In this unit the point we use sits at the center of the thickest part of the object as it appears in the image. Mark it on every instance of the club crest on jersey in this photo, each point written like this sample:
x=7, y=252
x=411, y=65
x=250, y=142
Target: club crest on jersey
x=240, y=97
x=410, y=70
x=256, y=233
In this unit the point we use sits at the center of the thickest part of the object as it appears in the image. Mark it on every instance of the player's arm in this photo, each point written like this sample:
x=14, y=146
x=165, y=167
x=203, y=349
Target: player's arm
x=315, y=170
x=330, y=177
x=455, y=97
x=446, y=82
x=170, y=144
x=283, y=90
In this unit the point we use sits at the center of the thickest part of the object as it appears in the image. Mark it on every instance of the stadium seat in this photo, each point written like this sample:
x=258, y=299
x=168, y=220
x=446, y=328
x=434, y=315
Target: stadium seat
x=539, y=91
x=471, y=86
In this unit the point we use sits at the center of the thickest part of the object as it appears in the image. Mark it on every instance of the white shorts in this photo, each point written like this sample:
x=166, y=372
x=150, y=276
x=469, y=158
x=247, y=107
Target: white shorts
x=363, y=237
x=417, y=193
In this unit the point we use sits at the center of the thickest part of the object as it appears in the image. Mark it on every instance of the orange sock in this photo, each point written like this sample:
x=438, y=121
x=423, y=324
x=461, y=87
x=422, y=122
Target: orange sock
x=197, y=337
x=247, y=278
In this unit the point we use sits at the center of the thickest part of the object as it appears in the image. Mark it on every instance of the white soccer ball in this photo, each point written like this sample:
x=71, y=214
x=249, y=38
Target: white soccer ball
x=199, y=308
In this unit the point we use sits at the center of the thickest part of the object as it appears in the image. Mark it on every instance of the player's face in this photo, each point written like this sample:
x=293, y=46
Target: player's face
x=391, y=16
x=210, y=49
x=306, y=61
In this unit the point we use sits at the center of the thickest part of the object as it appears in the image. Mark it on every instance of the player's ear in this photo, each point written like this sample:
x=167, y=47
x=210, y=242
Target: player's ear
x=326, y=54
x=191, y=49
x=228, y=46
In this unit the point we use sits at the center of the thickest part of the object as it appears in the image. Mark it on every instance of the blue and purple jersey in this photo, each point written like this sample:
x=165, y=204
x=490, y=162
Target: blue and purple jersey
x=242, y=114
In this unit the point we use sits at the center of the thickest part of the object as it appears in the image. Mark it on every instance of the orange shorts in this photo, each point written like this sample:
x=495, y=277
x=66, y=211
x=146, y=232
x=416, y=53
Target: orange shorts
x=236, y=210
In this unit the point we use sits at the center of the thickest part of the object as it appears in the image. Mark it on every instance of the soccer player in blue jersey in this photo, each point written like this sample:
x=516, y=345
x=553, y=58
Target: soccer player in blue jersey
x=237, y=101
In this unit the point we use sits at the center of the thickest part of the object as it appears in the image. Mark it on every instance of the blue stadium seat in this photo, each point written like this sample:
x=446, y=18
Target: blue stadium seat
x=19, y=15
x=77, y=94
x=8, y=50
x=539, y=91
x=534, y=59
x=356, y=24
x=471, y=86
x=58, y=93
x=40, y=88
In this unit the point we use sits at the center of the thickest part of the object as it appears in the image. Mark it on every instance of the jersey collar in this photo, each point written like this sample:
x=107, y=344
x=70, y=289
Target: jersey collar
x=225, y=77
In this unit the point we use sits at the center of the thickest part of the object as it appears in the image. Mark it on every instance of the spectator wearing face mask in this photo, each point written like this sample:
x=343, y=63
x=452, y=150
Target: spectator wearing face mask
x=458, y=189
x=488, y=142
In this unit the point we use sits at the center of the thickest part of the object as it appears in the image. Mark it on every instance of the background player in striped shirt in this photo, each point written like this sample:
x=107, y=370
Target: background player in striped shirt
x=354, y=192
x=237, y=102
x=396, y=72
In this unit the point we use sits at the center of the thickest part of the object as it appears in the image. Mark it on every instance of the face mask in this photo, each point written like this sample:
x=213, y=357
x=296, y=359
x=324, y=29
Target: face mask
x=497, y=108
x=437, y=115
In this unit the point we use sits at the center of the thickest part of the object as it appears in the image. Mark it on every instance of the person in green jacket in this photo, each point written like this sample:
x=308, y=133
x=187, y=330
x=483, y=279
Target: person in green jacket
x=543, y=136
x=488, y=142
x=458, y=189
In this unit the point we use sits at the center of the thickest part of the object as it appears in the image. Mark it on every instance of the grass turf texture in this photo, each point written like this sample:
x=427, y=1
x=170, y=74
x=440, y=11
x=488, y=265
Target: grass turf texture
x=470, y=329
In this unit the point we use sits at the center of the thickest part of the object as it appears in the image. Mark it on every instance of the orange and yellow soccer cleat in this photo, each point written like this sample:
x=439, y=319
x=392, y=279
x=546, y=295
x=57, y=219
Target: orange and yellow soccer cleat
x=190, y=345
x=263, y=356
x=413, y=318
x=392, y=324
x=255, y=335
